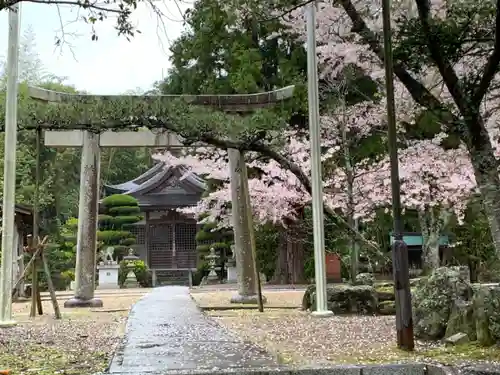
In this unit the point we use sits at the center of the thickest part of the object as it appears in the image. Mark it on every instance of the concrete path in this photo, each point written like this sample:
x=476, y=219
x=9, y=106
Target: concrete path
x=167, y=332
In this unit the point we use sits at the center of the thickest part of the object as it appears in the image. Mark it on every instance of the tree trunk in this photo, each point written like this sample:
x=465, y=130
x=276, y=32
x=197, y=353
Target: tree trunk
x=431, y=251
x=290, y=259
x=489, y=185
x=431, y=227
x=280, y=275
x=296, y=261
x=485, y=167
x=349, y=171
x=430, y=239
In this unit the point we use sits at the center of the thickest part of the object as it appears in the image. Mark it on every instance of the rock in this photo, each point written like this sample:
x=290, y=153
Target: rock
x=385, y=294
x=433, y=298
x=345, y=299
x=364, y=279
x=461, y=320
x=387, y=308
x=308, y=297
x=414, y=282
x=457, y=339
x=486, y=305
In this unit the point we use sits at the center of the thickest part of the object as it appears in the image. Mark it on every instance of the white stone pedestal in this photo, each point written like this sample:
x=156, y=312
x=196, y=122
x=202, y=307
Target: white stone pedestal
x=108, y=276
x=72, y=285
x=232, y=276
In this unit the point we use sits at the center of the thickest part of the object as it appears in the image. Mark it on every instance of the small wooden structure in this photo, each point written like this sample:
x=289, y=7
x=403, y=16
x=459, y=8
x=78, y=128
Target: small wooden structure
x=414, y=242
x=165, y=238
x=24, y=226
x=333, y=269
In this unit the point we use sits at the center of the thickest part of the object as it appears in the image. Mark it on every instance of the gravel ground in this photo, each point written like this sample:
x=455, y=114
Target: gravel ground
x=297, y=337
x=81, y=343
x=286, y=299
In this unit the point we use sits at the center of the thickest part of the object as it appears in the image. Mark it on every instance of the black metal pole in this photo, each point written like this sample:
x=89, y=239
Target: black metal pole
x=404, y=322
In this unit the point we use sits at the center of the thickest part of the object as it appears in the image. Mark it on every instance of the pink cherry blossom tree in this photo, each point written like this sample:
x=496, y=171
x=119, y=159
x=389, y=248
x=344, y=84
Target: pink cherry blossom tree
x=435, y=182
x=446, y=58
x=348, y=35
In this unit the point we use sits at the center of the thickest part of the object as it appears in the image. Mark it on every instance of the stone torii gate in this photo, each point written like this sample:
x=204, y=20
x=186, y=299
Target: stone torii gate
x=90, y=176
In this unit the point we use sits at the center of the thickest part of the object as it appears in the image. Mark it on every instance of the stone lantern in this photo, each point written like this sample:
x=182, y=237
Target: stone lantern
x=131, y=280
x=212, y=277
x=232, y=276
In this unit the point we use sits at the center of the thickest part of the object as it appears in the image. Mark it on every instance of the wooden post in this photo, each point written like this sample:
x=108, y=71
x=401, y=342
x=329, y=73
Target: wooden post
x=39, y=299
x=50, y=285
x=404, y=322
x=34, y=288
x=20, y=262
x=33, y=242
x=23, y=274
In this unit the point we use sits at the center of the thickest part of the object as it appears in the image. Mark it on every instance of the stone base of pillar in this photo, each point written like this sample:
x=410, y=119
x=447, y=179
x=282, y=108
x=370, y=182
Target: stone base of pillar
x=252, y=299
x=8, y=324
x=78, y=302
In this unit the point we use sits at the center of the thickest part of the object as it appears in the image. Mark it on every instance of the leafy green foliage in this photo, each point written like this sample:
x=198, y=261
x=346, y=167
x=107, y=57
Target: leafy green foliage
x=119, y=200
x=111, y=237
x=267, y=242
x=62, y=256
x=468, y=24
x=122, y=210
x=209, y=236
x=113, y=223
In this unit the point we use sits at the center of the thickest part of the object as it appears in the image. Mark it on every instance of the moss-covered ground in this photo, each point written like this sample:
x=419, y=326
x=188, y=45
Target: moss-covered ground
x=82, y=342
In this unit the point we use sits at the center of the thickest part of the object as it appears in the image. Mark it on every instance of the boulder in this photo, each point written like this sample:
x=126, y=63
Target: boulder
x=308, y=297
x=387, y=308
x=486, y=306
x=461, y=320
x=433, y=299
x=364, y=279
x=385, y=293
x=457, y=339
x=345, y=299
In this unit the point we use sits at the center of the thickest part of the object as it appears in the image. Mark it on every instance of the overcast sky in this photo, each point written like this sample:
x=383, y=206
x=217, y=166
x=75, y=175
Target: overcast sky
x=112, y=65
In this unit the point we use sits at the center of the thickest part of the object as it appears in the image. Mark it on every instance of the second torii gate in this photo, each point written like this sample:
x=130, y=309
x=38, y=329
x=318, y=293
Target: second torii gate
x=89, y=180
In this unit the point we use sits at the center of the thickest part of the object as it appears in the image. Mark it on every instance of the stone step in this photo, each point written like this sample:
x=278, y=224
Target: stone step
x=172, y=277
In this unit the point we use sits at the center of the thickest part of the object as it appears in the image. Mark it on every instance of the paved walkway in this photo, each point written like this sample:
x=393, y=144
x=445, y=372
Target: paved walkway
x=167, y=332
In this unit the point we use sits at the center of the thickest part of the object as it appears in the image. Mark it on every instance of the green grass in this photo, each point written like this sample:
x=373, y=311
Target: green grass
x=41, y=359
x=449, y=355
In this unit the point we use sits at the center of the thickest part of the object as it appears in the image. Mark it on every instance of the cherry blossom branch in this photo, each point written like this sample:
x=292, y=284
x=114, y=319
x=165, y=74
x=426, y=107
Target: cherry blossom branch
x=288, y=11
x=445, y=68
x=417, y=90
x=301, y=176
x=491, y=67
x=83, y=4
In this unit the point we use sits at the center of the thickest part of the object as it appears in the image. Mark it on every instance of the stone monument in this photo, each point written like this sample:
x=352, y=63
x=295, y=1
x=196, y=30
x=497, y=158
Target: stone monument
x=131, y=280
x=232, y=275
x=108, y=270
